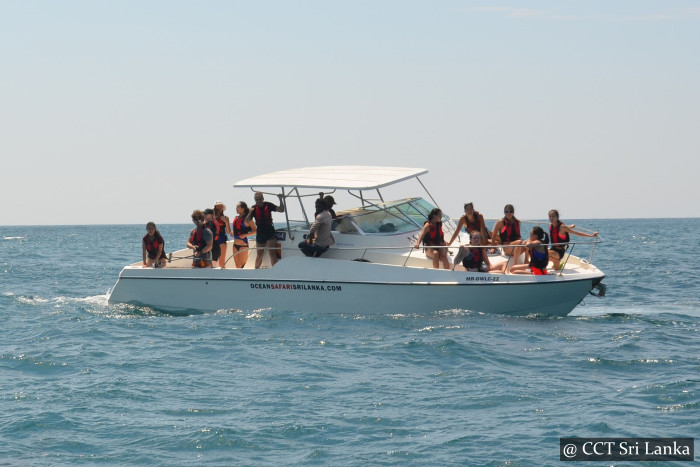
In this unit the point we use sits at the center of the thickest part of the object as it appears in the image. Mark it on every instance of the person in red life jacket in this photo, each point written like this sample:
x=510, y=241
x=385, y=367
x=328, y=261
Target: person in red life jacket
x=265, y=237
x=475, y=259
x=224, y=226
x=471, y=221
x=559, y=236
x=506, y=231
x=201, y=241
x=432, y=236
x=152, y=246
x=242, y=229
x=214, y=227
x=539, y=257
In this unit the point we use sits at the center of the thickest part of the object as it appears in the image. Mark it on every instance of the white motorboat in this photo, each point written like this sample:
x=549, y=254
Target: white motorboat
x=372, y=268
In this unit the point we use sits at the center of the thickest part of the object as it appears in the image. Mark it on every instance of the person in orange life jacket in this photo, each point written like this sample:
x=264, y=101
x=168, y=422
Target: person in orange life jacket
x=265, y=238
x=559, y=233
x=539, y=258
x=224, y=225
x=152, y=246
x=476, y=259
x=201, y=241
x=320, y=238
x=214, y=227
x=431, y=236
x=242, y=229
x=506, y=231
x=471, y=221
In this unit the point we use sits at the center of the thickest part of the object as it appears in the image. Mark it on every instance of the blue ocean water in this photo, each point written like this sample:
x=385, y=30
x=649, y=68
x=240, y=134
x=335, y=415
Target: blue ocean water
x=86, y=383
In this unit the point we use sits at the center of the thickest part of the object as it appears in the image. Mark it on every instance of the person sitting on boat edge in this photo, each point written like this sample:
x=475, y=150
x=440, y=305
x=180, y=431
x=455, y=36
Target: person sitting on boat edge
x=152, y=246
x=224, y=225
x=472, y=221
x=432, y=236
x=266, y=237
x=242, y=229
x=558, y=234
x=475, y=259
x=506, y=231
x=210, y=224
x=539, y=257
x=320, y=237
x=201, y=241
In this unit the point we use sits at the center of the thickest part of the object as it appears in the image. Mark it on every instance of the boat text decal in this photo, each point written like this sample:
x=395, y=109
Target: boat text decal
x=310, y=287
x=483, y=278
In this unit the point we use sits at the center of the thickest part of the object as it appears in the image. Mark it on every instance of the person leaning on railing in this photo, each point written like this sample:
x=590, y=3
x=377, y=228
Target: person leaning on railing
x=559, y=234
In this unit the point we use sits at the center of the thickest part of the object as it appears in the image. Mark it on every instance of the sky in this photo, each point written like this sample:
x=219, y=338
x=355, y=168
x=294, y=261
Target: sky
x=131, y=111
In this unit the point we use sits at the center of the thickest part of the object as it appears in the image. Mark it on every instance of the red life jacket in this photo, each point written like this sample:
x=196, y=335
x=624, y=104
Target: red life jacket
x=214, y=227
x=262, y=214
x=471, y=226
x=557, y=237
x=152, y=245
x=434, y=237
x=510, y=232
x=477, y=254
x=197, y=238
x=239, y=227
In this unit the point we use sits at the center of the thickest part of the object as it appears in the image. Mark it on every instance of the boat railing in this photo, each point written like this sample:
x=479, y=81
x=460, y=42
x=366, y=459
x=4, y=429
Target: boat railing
x=365, y=252
x=411, y=249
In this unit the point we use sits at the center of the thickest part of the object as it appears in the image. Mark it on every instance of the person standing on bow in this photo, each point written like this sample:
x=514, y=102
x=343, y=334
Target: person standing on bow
x=506, y=231
x=152, y=246
x=242, y=229
x=432, y=236
x=320, y=237
x=559, y=236
x=224, y=226
x=266, y=237
x=200, y=242
x=471, y=221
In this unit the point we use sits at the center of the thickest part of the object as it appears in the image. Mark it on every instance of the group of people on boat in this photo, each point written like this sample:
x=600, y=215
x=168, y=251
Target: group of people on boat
x=208, y=240
x=539, y=249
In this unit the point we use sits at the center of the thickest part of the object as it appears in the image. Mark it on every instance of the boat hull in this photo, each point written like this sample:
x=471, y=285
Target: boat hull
x=319, y=285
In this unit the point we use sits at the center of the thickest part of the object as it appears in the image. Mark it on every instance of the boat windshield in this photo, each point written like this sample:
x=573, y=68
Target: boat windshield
x=400, y=216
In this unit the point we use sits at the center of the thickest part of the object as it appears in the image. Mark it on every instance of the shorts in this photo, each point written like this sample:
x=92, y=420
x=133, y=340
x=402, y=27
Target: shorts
x=201, y=263
x=560, y=251
x=265, y=234
x=215, y=252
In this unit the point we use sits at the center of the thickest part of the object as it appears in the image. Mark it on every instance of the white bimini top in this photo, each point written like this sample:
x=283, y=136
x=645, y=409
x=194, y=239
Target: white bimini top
x=343, y=177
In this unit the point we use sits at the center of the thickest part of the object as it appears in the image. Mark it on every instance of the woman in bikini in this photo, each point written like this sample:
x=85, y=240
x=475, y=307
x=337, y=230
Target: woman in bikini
x=241, y=230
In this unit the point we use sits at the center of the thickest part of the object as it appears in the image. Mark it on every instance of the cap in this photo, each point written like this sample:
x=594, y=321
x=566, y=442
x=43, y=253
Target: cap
x=217, y=202
x=329, y=200
x=209, y=211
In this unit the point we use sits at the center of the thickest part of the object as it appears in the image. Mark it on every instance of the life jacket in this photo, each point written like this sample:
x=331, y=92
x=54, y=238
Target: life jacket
x=510, y=232
x=214, y=227
x=477, y=254
x=435, y=236
x=471, y=226
x=152, y=245
x=556, y=237
x=539, y=260
x=239, y=227
x=221, y=224
x=197, y=238
x=262, y=214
